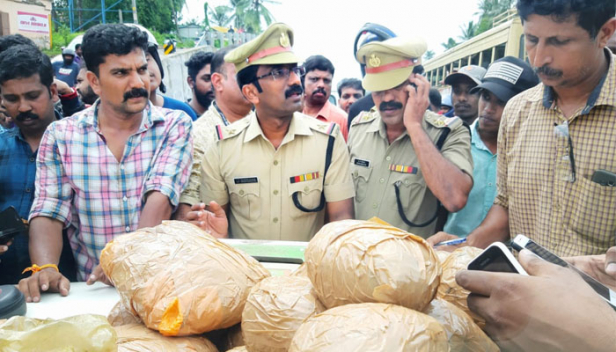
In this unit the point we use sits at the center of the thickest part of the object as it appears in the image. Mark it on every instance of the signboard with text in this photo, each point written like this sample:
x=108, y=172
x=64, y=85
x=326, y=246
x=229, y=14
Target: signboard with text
x=32, y=22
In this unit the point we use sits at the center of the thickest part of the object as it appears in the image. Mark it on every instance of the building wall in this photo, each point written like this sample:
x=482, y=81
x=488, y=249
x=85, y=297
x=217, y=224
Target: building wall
x=39, y=7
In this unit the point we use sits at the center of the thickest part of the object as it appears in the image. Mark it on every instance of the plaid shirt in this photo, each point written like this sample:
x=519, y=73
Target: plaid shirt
x=80, y=182
x=568, y=215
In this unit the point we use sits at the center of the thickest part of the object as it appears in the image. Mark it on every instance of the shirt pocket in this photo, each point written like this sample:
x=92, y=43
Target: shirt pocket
x=412, y=188
x=245, y=200
x=592, y=213
x=308, y=196
x=361, y=176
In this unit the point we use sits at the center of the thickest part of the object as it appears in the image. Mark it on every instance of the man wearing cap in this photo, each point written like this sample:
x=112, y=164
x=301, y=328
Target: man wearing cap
x=278, y=173
x=465, y=102
x=67, y=70
x=505, y=78
x=406, y=161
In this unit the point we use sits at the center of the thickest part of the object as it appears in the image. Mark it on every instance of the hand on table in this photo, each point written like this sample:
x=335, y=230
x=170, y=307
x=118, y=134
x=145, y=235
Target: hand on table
x=46, y=280
x=98, y=275
x=552, y=309
x=213, y=221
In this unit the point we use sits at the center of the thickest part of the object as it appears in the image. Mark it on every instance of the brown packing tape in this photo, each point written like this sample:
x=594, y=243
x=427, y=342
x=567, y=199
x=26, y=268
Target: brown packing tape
x=137, y=338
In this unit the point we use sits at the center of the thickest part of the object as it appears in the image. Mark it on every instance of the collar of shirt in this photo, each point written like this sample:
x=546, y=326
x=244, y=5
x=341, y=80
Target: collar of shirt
x=150, y=116
x=298, y=126
x=602, y=94
x=325, y=111
x=220, y=113
x=476, y=138
x=377, y=125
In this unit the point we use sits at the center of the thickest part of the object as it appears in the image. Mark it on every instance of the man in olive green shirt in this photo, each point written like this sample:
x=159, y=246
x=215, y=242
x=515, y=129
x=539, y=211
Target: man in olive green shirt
x=406, y=161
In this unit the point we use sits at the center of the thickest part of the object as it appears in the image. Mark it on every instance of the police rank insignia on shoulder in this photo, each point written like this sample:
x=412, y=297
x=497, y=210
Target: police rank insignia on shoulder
x=440, y=121
x=326, y=128
x=232, y=130
x=364, y=117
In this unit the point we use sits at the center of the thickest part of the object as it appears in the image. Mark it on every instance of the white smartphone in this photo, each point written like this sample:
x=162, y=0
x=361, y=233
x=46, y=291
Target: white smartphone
x=522, y=242
x=497, y=258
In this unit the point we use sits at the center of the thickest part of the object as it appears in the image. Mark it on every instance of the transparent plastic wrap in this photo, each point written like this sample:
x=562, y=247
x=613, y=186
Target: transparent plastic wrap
x=464, y=335
x=442, y=255
x=179, y=280
x=239, y=349
x=374, y=327
x=275, y=308
x=121, y=315
x=86, y=332
x=354, y=261
x=449, y=290
x=138, y=338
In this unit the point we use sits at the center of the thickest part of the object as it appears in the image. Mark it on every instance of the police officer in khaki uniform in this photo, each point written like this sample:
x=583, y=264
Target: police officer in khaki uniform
x=276, y=173
x=406, y=161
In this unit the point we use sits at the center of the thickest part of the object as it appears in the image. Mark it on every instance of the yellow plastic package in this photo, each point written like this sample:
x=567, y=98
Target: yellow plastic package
x=374, y=327
x=90, y=333
x=354, y=261
x=179, y=280
x=138, y=338
x=275, y=308
x=464, y=335
x=449, y=290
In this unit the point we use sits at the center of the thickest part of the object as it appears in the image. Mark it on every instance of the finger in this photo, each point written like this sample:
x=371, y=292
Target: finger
x=478, y=282
x=95, y=276
x=198, y=207
x=43, y=280
x=216, y=209
x=64, y=286
x=610, y=262
x=33, y=289
x=422, y=86
x=536, y=266
x=194, y=215
x=25, y=289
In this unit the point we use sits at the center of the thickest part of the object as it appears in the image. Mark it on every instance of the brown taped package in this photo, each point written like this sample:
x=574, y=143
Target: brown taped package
x=354, y=261
x=449, y=290
x=275, y=308
x=238, y=349
x=138, y=338
x=442, y=256
x=374, y=327
x=180, y=280
x=464, y=335
x=77, y=333
x=302, y=271
x=121, y=315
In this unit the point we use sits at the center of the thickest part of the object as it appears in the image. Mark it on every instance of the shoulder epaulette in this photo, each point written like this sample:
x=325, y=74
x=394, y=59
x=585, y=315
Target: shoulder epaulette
x=365, y=117
x=328, y=128
x=232, y=130
x=440, y=121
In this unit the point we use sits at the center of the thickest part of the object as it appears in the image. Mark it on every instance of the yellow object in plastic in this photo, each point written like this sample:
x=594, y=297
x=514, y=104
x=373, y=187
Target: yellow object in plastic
x=90, y=333
x=172, y=319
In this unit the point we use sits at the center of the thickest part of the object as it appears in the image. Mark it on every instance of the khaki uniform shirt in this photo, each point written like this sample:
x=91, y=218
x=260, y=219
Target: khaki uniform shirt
x=535, y=180
x=376, y=166
x=204, y=136
x=244, y=170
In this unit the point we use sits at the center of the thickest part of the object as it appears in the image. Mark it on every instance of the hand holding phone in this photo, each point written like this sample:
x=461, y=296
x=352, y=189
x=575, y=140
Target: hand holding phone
x=497, y=258
x=11, y=225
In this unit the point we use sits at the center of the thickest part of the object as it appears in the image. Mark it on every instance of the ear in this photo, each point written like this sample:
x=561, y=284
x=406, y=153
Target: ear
x=606, y=32
x=251, y=93
x=94, y=82
x=53, y=89
x=217, y=81
x=190, y=82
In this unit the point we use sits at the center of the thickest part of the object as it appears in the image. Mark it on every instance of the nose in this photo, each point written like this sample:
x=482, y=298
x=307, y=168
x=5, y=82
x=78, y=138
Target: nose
x=24, y=106
x=489, y=109
x=137, y=81
x=293, y=79
x=540, y=55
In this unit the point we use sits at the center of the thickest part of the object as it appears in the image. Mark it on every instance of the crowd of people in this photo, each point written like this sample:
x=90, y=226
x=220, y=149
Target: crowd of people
x=90, y=149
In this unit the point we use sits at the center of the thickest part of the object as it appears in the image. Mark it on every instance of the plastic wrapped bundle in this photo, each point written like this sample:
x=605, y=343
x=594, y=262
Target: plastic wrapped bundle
x=77, y=333
x=354, y=261
x=442, y=256
x=138, y=338
x=463, y=334
x=275, y=308
x=374, y=327
x=302, y=271
x=449, y=290
x=121, y=315
x=239, y=349
x=180, y=280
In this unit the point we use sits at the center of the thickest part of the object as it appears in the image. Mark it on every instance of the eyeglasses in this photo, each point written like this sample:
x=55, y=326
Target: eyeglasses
x=565, y=149
x=283, y=73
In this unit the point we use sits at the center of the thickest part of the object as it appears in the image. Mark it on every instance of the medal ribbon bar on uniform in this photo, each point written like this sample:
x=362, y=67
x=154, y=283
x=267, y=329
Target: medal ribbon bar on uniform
x=403, y=169
x=305, y=177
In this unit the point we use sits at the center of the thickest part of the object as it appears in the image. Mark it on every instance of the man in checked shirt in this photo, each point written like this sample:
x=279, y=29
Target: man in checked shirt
x=115, y=167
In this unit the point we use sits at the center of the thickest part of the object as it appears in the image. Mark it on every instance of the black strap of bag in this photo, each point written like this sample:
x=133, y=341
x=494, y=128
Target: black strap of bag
x=328, y=161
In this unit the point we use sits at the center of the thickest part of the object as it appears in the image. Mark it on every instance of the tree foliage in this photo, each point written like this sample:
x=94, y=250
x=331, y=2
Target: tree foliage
x=428, y=55
x=450, y=43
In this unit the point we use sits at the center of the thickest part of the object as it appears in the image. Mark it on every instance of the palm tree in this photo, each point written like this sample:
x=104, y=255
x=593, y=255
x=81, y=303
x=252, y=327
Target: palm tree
x=220, y=16
x=257, y=13
x=488, y=9
x=239, y=13
x=429, y=55
x=449, y=44
x=469, y=31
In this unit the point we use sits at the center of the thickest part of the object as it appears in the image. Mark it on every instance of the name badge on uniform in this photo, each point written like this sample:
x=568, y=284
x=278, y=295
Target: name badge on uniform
x=244, y=180
x=403, y=169
x=360, y=162
x=305, y=177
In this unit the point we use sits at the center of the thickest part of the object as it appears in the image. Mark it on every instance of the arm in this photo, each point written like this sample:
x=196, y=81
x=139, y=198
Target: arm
x=494, y=228
x=71, y=103
x=156, y=209
x=340, y=210
x=550, y=310
x=446, y=181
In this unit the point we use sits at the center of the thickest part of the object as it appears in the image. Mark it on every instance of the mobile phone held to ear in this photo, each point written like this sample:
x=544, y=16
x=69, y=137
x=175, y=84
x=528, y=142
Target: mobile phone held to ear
x=497, y=258
x=11, y=225
x=522, y=242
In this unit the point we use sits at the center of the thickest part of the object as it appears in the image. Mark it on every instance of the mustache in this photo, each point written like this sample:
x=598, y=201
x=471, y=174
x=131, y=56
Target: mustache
x=548, y=71
x=462, y=105
x=135, y=93
x=27, y=115
x=295, y=89
x=319, y=90
x=390, y=105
